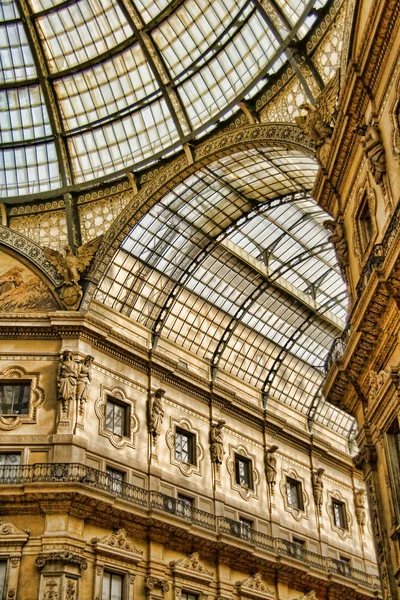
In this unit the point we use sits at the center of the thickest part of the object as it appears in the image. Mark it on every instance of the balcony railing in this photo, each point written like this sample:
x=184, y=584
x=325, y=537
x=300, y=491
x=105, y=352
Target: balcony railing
x=64, y=473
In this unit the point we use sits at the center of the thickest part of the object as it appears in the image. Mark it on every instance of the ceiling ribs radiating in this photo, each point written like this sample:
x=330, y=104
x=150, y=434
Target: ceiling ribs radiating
x=48, y=93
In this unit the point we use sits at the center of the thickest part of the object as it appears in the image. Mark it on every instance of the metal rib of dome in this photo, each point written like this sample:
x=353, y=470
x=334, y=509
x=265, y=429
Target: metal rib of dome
x=89, y=89
x=235, y=265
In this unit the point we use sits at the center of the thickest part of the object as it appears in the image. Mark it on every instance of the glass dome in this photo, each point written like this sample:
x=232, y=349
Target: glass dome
x=90, y=88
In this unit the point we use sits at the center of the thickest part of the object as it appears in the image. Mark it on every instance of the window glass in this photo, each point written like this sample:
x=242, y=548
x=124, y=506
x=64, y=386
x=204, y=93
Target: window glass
x=14, y=398
x=184, y=446
x=116, y=417
x=184, y=506
x=243, y=471
x=9, y=466
x=339, y=514
x=115, y=479
x=112, y=586
x=189, y=596
x=3, y=572
x=294, y=494
x=246, y=527
x=365, y=226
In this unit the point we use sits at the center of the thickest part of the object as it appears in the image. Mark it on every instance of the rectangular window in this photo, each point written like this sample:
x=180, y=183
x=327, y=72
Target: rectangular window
x=184, y=506
x=392, y=448
x=185, y=444
x=339, y=514
x=115, y=480
x=10, y=467
x=344, y=565
x=3, y=574
x=246, y=527
x=117, y=417
x=112, y=586
x=365, y=226
x=243, y=474
x=14, y=397
x=294, y=494
x=298, y=547
x=189, y=596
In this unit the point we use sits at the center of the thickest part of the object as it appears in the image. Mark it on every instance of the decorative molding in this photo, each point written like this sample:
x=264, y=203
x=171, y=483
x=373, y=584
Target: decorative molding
x=254, y=587
x=117, y=441
x=192, y=574
x=118, y=546
x=342, y=533
x=245, y=492
x=185, y=468
x=65, y=558
x=296, y=513
x=36, y=400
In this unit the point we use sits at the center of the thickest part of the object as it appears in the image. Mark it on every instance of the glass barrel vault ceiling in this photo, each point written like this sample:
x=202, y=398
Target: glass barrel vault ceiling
x=235, y=265
x=89, y=88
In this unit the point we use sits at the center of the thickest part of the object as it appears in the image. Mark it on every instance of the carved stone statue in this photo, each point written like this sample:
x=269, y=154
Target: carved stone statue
x=318, y=487
x=359, y=501
x=156, y=414
x=84, y=381
x=270, y=465
x=338, y=239
x=375, y=153
x=317, y=123
x=217, y=443
x=373, y=385
x=67, y=379
x=70, y=267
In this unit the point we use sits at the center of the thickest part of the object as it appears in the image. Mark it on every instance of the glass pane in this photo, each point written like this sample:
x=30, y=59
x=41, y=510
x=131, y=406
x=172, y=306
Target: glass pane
x=109, y=423
x=119, y=420
x=14, y=398
x=116, y=587
x=106, y=591
x=3, y=571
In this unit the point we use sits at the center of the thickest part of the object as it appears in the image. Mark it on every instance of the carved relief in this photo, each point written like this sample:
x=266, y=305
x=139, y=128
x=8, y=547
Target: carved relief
x=115, y=542
x=67, y=379
x=254, y=587
x=338, y=239
x=118, y=441
x=359, y=501
x=318, y=489
x=71, y=267
x=375, y=153
x=318, y=122
x=191, y=572
x=245, y=491
x=186, y=468
x=83, y=383
x=376, y=382
x=36, y=400
x=156, y=415
x=63, y=558
x=270, y=466
x=217, y=445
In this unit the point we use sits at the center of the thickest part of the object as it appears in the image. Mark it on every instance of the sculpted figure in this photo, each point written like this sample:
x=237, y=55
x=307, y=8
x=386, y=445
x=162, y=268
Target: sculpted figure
x=338, y=239
x=373, y=384
x=375, y=153
x=67, y=379
x=84, y=380
x=217, y=442
x=359, y=501
x=70, y=267
x=318, y=487
x=270, y=465
x=156, y=414
x=317, y=123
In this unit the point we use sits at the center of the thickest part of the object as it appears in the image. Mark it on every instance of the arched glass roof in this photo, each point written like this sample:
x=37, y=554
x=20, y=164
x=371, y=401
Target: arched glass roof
x=90, y=88
x=235, y=265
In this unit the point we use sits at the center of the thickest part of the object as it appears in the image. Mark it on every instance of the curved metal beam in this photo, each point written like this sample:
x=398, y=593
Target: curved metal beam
x=50, y=97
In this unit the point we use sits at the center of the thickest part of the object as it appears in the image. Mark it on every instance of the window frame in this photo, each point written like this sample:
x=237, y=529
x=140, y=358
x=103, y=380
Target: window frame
x=186, y=468
x=117, y=396
x=342, y=514
x=111, y=400
x=248, y=479
x=297, y=485
x=18, y=375
x=191, y=439
x=237, y=453
x=114, y=484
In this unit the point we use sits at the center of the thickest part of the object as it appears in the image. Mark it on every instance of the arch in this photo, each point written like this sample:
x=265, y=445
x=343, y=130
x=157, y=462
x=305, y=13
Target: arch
x=280, y=135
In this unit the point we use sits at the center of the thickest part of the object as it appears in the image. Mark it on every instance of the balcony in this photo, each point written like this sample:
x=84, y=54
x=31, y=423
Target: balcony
x=155, y=502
